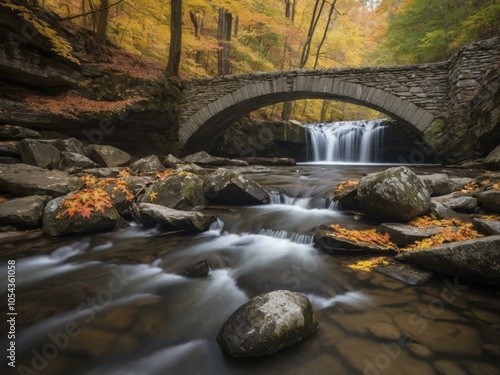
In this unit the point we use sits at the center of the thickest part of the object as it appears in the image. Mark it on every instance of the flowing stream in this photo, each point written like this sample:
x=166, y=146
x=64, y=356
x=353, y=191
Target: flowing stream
x=348, y=141
x=113, y=303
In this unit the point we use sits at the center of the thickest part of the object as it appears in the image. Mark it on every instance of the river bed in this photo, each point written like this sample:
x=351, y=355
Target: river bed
x=113, y=303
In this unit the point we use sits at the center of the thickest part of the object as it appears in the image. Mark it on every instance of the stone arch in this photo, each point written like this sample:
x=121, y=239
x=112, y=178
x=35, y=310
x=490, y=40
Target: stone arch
x=203, y=128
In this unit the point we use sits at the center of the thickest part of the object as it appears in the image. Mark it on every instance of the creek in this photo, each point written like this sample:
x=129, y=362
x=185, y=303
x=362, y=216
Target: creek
x=113, y=303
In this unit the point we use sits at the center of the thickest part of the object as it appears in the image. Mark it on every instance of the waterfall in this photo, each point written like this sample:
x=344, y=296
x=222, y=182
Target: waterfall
x=348, y=141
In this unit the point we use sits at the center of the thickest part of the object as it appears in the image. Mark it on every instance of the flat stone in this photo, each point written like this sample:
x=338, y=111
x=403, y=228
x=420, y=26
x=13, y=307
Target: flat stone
x=26, y=211
x=490, y=227
x=104, y=172
x=170, y=161
x=23, y=180
x=446, y=367
x=14, y=132
x=461, y=203
x=477, y=260
x=9, y=160
x=441, y=337
x=255, y=160
x=204, y=158
x=369, y=357
x=458, y=183
x=406, y=273
x=442, y=212
x=199, y=269
x=192, y=168
x=170, y=219
x=480, y=368
x=420, y=350
x=384, y=331
x=404, y=235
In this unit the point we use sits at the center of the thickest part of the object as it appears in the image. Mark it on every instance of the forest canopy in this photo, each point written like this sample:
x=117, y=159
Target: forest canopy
x=222, y=37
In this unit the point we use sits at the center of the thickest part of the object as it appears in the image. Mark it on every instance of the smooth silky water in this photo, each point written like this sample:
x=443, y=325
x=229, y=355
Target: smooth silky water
x=113, y=303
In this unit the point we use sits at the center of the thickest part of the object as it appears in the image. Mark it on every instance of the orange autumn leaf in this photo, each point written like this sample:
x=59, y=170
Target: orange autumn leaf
x=346, y=184
x=366, y=236
x=84, y=203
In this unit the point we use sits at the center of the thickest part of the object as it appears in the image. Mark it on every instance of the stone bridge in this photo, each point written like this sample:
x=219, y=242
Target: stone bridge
x=414, y=95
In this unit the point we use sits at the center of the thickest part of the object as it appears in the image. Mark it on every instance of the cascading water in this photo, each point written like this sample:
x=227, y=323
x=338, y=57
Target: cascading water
x=349, y=141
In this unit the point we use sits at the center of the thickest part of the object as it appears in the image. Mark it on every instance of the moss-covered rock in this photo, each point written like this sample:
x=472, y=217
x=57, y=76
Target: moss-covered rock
x=396, y=193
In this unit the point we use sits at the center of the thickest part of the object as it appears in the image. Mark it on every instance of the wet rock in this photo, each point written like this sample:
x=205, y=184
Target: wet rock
x=147, y=164
x=461, y=203
x=440, y=337
x=384, y=331
x=327, y=240
x=492, y=161
x=267, y=323
x=476, y=260
x=10, y=149
x=204, y=158
x=77, y=224
x=238, y=163
x=104, y=172
x=72, y=160
x=192, y=168
x=404, y=235
x=438, y=183
x=489, y=199
x=23, y=212
x=446, y=367
x=13, y=132
x=458, y=183
x=230, y=187
x=181, y=191
x=120, y=194
x=420, y=350
x=406, y=273
x=490, y=227
x=442, y=212
x=39, y=154
x=68, y=145
x=348, y=196
x=396, y=193
x=199, y=269
x=170, y=161
x=172, y=220
x=255, y=160
x=480, y=368
x=108, y=156
x=370, y=357
x=23, y=180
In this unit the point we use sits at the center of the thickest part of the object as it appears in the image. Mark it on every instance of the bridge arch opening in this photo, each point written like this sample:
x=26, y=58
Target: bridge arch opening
x=203, y=128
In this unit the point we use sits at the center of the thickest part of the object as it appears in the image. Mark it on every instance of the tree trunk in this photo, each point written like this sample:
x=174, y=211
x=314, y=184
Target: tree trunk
x=103, y=22
x=332, y=8
x=224, y=27
x=287, y=9
x=293, y=11
x=174, y=56
x=312, y=28
x=236, y=26
x=287, y=111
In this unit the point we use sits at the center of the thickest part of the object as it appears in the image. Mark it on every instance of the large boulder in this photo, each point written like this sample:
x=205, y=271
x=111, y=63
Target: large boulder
x=22, y=180
x=108, y=156
x=493, y=159
x=490, y=199
x=490, y=227
x=180, y=191
x=56, y=225
x=147, y=164
x=267, y=323
x=41, y=155
x=230, y=187
x=73, y=159
x=396, y=193
x=67, y=145
x=170, y=161
x=463, y=203
x=23, y=212
x=173, y=220
x=477, y=260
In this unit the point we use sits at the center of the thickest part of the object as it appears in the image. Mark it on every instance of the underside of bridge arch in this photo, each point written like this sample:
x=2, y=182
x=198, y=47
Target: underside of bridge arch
x=202, y=130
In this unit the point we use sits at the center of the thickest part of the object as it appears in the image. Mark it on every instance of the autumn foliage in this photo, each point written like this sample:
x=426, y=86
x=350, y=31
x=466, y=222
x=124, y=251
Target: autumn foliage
x=368, y=265
x=350, y=184
x=85, y=202
x=363, y=237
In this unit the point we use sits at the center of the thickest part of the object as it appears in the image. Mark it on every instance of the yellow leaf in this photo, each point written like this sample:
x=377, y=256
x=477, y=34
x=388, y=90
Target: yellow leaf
x=152, y=196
